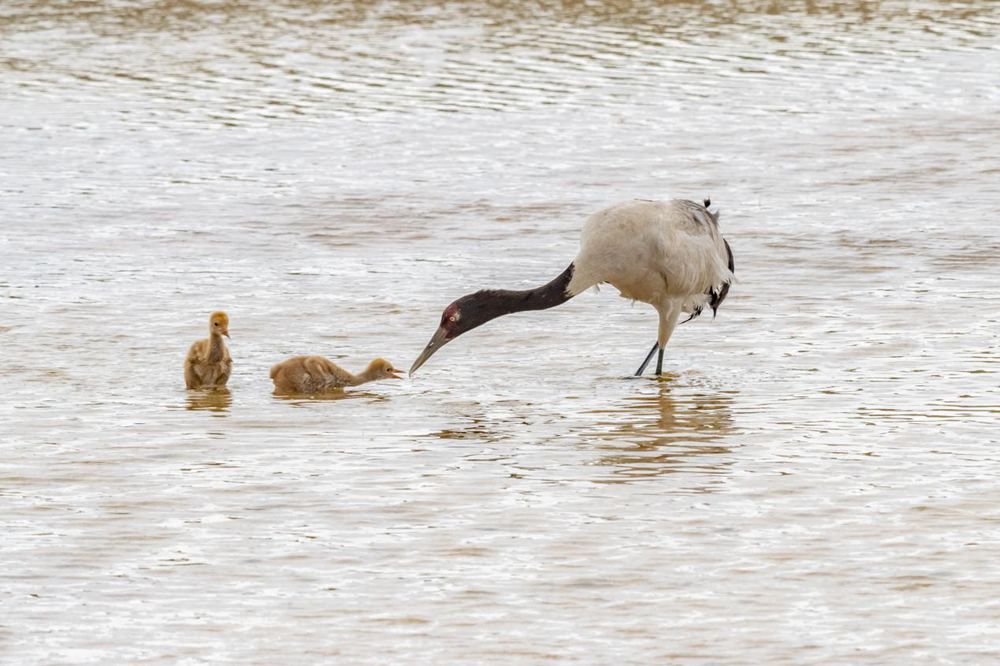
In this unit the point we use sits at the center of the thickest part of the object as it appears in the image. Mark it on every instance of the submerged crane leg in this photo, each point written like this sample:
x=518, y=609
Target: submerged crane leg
x=649, y=357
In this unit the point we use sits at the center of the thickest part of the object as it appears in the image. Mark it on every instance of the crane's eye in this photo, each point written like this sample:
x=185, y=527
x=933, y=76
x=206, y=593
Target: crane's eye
x=453, y=318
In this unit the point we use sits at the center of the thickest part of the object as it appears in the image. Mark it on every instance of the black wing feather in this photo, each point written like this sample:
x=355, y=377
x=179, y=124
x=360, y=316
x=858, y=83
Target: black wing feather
x=716, y=298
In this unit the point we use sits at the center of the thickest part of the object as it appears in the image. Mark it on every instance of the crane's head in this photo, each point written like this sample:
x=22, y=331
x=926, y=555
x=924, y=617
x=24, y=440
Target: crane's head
x=463, y=315
x=382, y=369
x=218, y=324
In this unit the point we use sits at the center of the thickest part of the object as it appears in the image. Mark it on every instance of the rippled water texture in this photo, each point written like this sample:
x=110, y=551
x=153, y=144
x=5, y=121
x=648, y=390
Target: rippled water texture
x=815, y=480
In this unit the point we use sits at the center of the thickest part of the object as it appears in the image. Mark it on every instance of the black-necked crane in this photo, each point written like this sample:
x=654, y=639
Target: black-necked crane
x=669, y=254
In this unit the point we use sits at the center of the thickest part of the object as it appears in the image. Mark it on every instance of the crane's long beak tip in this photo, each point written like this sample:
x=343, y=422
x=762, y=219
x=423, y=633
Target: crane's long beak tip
x=437, y=341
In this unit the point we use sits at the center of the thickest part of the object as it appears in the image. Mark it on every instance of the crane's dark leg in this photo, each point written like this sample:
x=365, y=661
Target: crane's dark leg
x=659, y=362
x=649, y=357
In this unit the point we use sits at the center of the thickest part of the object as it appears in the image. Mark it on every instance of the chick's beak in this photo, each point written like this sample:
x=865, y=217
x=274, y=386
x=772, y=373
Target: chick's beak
x=395, y=374
x=439, y=339
x=225, y=332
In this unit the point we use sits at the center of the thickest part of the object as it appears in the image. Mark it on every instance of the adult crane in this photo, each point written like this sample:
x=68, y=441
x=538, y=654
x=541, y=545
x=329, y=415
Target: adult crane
x=669, y=254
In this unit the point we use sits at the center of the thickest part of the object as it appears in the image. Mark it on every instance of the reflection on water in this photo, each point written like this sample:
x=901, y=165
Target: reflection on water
x=331, y=395
x=665, y=432
x=217, y=400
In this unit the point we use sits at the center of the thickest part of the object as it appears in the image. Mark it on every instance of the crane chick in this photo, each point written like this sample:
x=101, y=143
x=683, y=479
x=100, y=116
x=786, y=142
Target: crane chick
x=208, y=363
x=316, y=374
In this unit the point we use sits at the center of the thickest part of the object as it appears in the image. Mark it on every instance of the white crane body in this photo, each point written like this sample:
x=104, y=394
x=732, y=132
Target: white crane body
x=669, y=254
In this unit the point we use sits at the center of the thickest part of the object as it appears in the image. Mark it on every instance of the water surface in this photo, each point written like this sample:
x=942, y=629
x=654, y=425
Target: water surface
x=812, y=481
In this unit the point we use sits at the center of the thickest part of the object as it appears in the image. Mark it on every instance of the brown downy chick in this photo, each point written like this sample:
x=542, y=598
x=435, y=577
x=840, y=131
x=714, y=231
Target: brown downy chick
x=208, y=363
x=315, y=374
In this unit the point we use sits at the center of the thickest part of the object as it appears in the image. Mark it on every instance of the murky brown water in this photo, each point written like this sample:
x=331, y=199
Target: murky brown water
x=814, y=481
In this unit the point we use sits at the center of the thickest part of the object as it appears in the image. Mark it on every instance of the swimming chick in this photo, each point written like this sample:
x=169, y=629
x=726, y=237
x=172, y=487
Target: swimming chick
x=315, y=374
x=208, y=363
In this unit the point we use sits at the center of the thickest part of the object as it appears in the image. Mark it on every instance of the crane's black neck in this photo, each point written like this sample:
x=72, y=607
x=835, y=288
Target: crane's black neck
x=478, y=308
x=507, y=301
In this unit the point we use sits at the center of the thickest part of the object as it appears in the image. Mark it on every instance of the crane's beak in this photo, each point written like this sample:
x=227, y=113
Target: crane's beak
x=439, y=340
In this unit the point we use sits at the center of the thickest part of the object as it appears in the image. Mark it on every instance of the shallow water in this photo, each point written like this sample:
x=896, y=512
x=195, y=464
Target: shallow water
x=812, y=481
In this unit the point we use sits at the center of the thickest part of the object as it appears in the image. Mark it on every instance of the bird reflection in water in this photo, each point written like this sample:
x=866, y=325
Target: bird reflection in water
x=210, y=400
x=330, y=395
x=672, y=430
